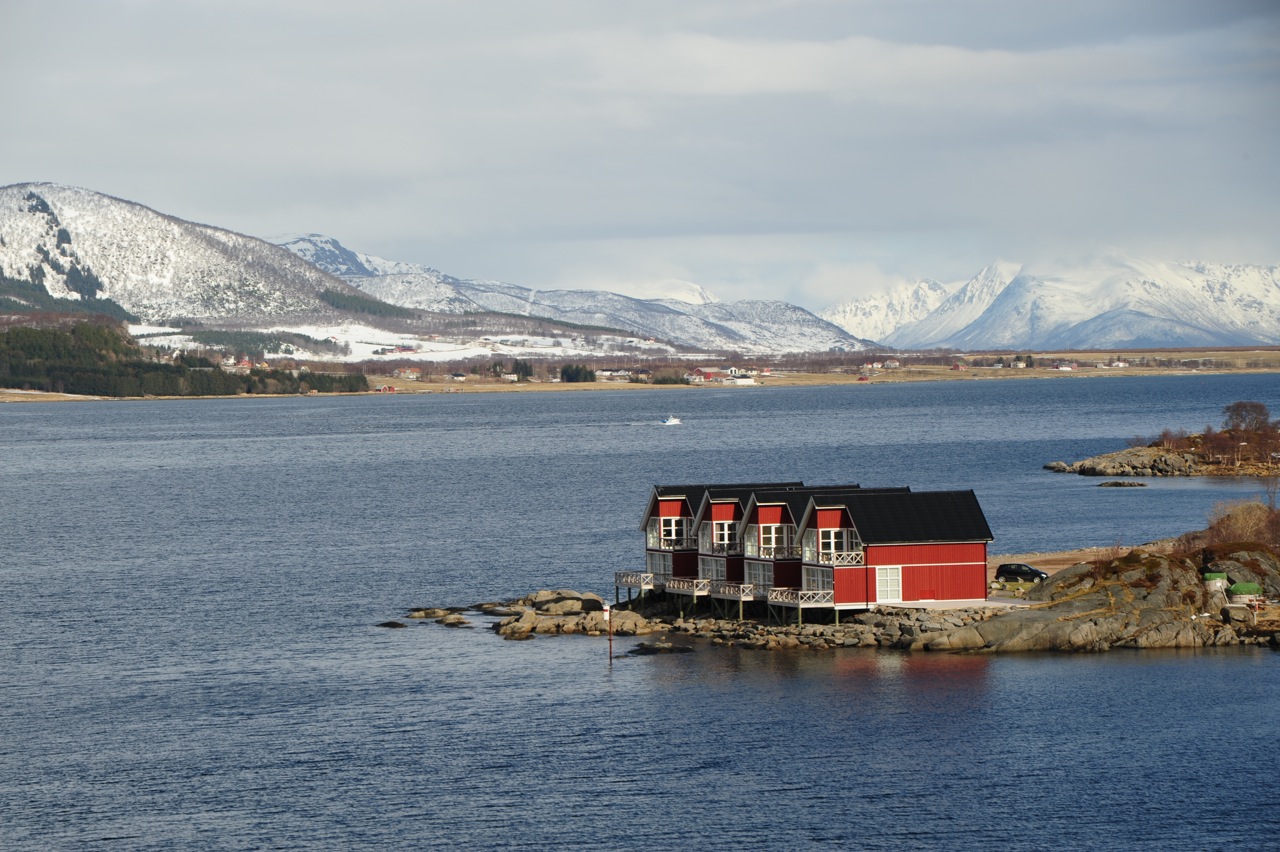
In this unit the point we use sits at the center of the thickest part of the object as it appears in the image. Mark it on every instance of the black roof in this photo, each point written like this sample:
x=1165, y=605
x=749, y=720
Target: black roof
x=905, y=517
x=728, y=489
x=891, y=515
x=694, y=494
x=797, y=499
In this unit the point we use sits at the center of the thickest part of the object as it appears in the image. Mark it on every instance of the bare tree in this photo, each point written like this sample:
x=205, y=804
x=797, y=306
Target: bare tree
x=1246, y=417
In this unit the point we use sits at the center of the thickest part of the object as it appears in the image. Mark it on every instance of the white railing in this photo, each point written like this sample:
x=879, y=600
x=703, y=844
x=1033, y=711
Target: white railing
x=635, y=579
x=775, y=551
x=801, y=597
x=722, y=549
x=687, y=542
x=842, y=557
x=688, y=585
x=734, y=591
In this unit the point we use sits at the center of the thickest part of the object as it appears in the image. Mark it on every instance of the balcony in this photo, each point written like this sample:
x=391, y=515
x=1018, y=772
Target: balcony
x=687, y=542
x=721, y=549
x=802, y=597
x=776, y=551
x=733, y=591
x=689, y=586
x=641, y=580
x=841, y=558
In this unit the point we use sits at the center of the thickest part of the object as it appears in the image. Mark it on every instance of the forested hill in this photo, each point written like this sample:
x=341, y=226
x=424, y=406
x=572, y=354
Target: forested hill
x=100, y=360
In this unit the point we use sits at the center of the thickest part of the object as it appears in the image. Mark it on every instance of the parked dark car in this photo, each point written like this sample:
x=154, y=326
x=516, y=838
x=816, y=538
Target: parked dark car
x=1018, y=572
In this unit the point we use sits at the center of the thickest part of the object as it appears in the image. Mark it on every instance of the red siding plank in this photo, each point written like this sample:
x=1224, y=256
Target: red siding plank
x=725, y=512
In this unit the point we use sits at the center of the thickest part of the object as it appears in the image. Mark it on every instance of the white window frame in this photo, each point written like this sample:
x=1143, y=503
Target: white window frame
x=658, y=563
x=833, y=540
x=722, y=532
x=818, y=578
x=774, y=535
x=759, y=574
x=711, y=568
x=674, y=528
x=889, y=584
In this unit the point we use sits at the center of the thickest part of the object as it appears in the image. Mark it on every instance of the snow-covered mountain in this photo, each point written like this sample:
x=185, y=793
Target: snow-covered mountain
x=80, y=244
x=332, y=256
x=877, y=317
x=694, y=321
x=961, y=308
x=1113, y=303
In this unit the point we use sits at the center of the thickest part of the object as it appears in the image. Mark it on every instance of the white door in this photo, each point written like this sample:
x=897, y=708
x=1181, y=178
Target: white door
x=888, y=585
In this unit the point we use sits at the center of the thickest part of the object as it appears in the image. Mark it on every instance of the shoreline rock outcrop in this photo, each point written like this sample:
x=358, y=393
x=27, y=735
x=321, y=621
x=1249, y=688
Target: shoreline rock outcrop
x=1142, y=600
x=1136, y=461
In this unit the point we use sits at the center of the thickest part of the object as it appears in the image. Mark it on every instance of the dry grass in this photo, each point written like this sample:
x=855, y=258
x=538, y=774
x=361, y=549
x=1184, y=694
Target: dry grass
x=37, y=396
x=1055, y=561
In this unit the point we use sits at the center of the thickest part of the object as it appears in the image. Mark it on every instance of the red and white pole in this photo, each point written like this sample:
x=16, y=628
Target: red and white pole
x=608, y=623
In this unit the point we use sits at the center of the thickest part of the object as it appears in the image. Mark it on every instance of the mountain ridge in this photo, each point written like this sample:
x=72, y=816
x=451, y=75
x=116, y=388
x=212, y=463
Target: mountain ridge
x=1115, y=302
x=78, y=244
x=748, y=326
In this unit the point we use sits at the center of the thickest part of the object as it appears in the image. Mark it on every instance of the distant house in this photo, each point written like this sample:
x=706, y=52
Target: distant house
x=457, y=377
x=413, y=374
x=792, y=546
x=702, y=375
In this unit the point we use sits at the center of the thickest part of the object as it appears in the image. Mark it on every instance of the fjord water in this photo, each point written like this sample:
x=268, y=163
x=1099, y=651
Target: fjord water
x=189, y=656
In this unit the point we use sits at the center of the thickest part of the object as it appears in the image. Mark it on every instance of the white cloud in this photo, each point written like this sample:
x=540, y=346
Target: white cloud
x=775, y=148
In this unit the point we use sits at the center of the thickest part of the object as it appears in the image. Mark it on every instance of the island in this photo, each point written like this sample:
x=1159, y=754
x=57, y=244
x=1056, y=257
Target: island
x=1247, y=444
x=1190, y=596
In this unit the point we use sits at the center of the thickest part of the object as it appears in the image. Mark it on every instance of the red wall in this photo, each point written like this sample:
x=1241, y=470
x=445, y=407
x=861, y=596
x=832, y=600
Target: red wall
x=684, y=563
x=769, y=514
x=851, y=585
x=733, y=570
x=830, y=519
x=725, y=512
x=944, y=582
x=786, y=575
x=926, y=554
x=671, y=509
x=929, y=572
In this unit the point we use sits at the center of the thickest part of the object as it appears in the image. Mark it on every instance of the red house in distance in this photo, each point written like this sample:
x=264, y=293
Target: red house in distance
x=801, y=547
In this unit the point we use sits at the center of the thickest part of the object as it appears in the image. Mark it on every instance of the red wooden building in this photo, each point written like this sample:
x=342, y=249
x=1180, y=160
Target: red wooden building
x=897, y=547
x=671, y=528
x=833, y=547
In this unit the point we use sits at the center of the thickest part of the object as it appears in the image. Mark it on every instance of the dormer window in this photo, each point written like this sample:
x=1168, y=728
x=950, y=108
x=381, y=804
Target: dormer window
x=673, y=528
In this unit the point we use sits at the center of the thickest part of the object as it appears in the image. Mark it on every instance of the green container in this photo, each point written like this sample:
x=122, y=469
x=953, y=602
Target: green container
x=1216, y=575
x=1245, y=589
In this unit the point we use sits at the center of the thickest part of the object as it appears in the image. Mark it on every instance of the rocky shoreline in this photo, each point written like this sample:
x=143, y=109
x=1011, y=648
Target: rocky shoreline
x=1136, y=461
x=1156, y=461
x=1142, y=600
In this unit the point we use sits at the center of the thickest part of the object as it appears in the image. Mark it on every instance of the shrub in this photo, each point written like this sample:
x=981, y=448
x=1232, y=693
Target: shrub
x=1244, y=520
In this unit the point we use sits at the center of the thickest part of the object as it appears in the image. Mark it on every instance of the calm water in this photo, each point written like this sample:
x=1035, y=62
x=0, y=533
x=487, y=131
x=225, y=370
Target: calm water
x=188, y=657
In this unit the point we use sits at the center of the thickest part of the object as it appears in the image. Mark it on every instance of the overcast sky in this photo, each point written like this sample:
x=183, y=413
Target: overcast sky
x=807, y=150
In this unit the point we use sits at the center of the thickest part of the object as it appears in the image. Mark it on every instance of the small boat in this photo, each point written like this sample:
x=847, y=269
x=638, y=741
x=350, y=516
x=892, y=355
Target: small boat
x=671, y=420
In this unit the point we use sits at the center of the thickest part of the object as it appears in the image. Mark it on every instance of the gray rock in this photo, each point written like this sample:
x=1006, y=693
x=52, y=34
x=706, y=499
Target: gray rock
x=428, y=612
